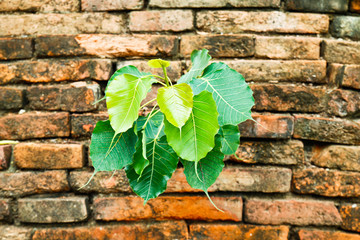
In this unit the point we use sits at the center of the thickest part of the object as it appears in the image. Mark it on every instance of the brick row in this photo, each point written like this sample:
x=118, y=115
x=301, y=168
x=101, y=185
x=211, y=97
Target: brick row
x=213, y=3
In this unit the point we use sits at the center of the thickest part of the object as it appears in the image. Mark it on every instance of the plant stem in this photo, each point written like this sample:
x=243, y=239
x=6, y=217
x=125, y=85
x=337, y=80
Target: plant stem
x=165, y=75
x=148, y=103
x=150, y=116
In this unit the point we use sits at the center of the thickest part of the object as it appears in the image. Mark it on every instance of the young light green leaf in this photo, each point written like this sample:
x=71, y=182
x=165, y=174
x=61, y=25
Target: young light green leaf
x=196, y=138
x=230, y=139
x=158, y=63
x=176, y=103
x=110, y=153
x=123, y=99
x=200, y=59
x=162, y=163
x=232, y=94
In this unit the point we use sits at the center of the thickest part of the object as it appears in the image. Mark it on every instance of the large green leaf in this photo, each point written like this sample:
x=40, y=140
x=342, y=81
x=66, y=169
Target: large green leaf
x=162, y=163
x=123, y=98
x=110, y=153
x=200, y=59
x=140, y=160
x=176, y=103
x=196, y=138
x=230, y=139
x=232, y=94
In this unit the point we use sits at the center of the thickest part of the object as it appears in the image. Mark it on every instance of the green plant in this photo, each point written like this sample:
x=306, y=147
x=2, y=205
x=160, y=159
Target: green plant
x=196, y=122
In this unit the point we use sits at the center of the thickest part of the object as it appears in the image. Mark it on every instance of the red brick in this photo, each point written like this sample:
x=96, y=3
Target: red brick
x=55, y=70
x=39, y=6
x=318, y=6
x=337, y=156
x=49, y=156
x=288, y=152
x=104, y=45
x=137, y=231
x=219, y=45
x=350, y=214
x=44, y=97
x=8, y=232
x=268, y=126
x=351, y=77
x=161, y=20
x=84, y=124
x=231, y=231
x=355, y=6
x=110, y=5
x=312, y=71
x=27, y=183
x=325, y=182
x=288, y=98
x=34, y=125
x=15, y=48
x=305, y=234
x=214, y=3
x=173, y=71
x=5, y=156
x=67, y=23
x=103, y=182
x=327, y=130
x=273, y=21
x=190, y=208
x=11, y=98
x=287, y=47
x=343, y=103
x=5, y=209
x=53, y=210
x=335, y=51
x=294, y=212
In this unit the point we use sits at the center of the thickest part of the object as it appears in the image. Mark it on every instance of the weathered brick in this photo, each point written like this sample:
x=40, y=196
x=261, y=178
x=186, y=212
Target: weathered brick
x=27, y=183
x=288, y=98
x=191, y=208
x=103, y=182
x=345, y=26
x=49, y=156
x=39, y=6
x=239, y=179
x=355, y=6
x=84, y=124
x=173, y=71
x=53, y=210
x=280, y=22
x=351, y=77
x=55, y=70
x=318, y=6
x=34, y=125
x=15, y=48
x=4, y=209
x=335, y=73
x=219, y=45
x=305, y=234
x=213, y=3
x=287, y=47
x=11, y=98
x=68, y=23
x=5, y=156
x=335, y=51
x=283, y=71
x=328, y=183
x=337, y=156
x=294, y=212
x=288, y=152
x=350, y=214
x=44, y=97
x=343, y=103
x=105, y=45
x=110, y=5
x=327, y=129
x=137, y=231
x=8, y=232
x=239, y=231
x=161, y=20
x=268, y=126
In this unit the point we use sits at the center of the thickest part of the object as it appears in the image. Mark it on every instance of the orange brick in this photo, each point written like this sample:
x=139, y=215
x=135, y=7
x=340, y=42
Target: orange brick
x=305, y=234
x=84, y=124
x=350, y=214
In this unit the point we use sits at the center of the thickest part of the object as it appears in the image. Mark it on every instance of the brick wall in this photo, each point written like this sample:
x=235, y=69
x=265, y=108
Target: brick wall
x=299, y=173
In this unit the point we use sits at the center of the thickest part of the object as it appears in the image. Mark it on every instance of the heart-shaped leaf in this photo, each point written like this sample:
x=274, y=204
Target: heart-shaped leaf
x=158, y=63
x=200, y=59
x=176, y=103
x=123, y=99
x=230, y=139
x=196, y=138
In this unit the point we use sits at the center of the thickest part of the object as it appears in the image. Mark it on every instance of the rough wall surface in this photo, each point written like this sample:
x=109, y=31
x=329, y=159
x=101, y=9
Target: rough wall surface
x=299, y=173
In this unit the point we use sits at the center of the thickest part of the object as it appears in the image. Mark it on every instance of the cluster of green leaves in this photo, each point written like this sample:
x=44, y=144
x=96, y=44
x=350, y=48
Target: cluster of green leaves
x=196, y=123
